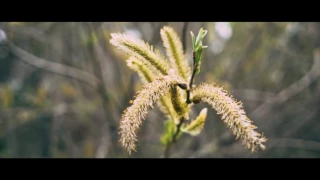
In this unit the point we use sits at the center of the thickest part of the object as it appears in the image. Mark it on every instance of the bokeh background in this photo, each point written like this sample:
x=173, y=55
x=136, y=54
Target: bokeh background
x=63, y=88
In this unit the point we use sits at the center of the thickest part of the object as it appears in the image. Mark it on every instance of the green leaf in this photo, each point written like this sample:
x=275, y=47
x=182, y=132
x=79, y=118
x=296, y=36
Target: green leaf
x=202, y=33
x=199, y=54
x=199, y=58
x=170, y=129
x=198, y=47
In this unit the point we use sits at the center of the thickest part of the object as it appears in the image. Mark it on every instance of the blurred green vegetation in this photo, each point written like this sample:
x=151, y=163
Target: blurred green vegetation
x=272, y=67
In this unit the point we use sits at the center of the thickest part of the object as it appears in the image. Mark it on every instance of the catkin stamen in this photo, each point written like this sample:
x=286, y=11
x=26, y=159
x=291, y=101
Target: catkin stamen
x=140, y=50
x=174, y=51
x=147, y=76
x=232, y=114
x=133, y=115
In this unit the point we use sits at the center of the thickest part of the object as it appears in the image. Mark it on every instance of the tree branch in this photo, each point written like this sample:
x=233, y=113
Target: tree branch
x=194, y=69
x=53, y=67
x=102, y=90
x=252, y=94
x=184, y=36
x=294, y=143
x=292, y=90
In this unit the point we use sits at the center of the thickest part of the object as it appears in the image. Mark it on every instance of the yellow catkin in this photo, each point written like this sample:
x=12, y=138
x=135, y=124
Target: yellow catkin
x=195, y=127
x=141, y=50
x=147, y=76
x=133, y=115
x=179, y=104
x=142, y=69
x=174, y=51
x=232, y=114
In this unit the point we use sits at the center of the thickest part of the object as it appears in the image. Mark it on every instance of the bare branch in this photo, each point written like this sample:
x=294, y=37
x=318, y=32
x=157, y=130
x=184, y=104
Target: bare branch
x=252, y=94
x=294, y=143
x=184, y=36
x=292, y=90
x=103, y=147
x=235, y=150
x=53, y=67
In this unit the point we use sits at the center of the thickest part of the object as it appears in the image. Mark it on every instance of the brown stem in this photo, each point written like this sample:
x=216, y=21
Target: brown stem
x=192, y=77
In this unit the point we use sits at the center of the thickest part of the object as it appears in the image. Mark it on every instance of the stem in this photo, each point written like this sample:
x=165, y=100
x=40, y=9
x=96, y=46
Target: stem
x=192, y=77
x=184, y=40
x=174, y=139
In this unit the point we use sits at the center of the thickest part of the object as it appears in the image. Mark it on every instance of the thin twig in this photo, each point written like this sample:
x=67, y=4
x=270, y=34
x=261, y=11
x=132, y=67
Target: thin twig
x=184, y=36
x=53, y=67
x=192, y=77
x=295, y=143
x=102, y=90
x=174, y=138
x=292, y=90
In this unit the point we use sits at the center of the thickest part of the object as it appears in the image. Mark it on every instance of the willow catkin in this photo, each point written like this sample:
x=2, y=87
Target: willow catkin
x=174, y=51
x=147, y=75
x=141, y=50
x=133, y=115
x=195, y=127
x=232, y=114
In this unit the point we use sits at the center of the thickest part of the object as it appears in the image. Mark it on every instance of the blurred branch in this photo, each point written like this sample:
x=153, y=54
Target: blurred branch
x=184, y=36
x=35, y=33
x=101, y=88
x=294, y=143
x=252, y=94
x=235, y=150
x=102, y=150
x=273, y=126
x=301, y=125
x=155, y=37
x=209, y=149
x=21, y=117
x=251, y=46
x=53, y=67
x=292, y=90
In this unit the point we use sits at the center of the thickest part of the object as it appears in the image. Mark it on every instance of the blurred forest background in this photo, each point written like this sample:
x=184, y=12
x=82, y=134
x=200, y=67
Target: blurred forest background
x=63, y=88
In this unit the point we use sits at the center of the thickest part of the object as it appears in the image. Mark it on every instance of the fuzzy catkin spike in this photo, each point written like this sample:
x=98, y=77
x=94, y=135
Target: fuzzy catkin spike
x=195, y=127
x=232, y=114
x=133, y=115
x=166, y=107
x=148, y=76
x=179, y=105
x=142, y=69
x=174, y=51
x=178, y=100
x=141, y=50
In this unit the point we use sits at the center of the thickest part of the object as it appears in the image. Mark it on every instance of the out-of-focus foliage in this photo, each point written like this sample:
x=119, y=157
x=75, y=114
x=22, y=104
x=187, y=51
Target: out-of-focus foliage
x=270, y=66
x=169, y=131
